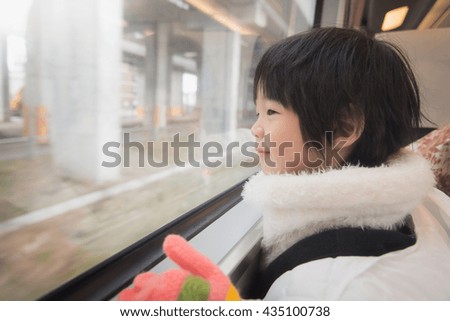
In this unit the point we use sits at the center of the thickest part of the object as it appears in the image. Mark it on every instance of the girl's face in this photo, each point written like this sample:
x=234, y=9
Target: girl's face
x=280, y=144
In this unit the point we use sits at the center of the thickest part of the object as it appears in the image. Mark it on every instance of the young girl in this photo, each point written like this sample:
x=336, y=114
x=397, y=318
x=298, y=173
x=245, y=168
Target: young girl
x=338, y=193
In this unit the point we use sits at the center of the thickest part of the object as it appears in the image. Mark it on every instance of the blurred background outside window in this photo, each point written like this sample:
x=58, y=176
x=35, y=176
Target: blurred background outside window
x=78, y=74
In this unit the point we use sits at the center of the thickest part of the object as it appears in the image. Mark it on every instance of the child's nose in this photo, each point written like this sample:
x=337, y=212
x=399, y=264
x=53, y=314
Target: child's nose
x=257, y=130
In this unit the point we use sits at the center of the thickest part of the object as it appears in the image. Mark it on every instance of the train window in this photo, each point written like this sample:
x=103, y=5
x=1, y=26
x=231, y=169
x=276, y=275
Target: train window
x=116, y=118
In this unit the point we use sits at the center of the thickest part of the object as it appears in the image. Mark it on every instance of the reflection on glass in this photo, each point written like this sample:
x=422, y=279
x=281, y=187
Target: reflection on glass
x=91, y=91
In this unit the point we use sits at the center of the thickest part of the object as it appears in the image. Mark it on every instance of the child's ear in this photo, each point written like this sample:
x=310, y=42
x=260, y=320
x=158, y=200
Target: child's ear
x=349, y=129
x=345, y=136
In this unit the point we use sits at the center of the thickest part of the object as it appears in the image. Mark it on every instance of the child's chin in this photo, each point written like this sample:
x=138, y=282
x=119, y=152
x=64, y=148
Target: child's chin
x=270, y=170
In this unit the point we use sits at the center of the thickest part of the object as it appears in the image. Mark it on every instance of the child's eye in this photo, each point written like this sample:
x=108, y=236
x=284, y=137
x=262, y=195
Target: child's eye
x=271, y=112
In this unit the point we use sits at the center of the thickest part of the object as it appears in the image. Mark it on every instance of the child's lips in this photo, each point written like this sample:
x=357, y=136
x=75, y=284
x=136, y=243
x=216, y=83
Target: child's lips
x=261, y=150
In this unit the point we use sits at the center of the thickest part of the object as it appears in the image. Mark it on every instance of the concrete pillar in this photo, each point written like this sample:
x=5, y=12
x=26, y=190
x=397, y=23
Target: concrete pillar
x=219, y=81
x=74, y=70
x=176, y=91
x=250, y=56
x=150, y=82
x=4, y=81
x=333, y=14
x=162, y=72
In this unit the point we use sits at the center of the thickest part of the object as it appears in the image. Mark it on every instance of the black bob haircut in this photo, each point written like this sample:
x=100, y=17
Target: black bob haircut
x=327, y=73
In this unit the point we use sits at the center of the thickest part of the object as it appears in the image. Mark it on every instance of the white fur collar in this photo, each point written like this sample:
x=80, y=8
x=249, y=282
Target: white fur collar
x=297, y=206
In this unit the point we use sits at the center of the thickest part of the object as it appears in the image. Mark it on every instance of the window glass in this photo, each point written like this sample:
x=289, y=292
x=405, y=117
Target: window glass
x=117, y=116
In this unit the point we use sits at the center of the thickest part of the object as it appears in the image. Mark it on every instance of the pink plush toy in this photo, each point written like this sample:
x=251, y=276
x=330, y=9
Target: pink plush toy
x=198, y=279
